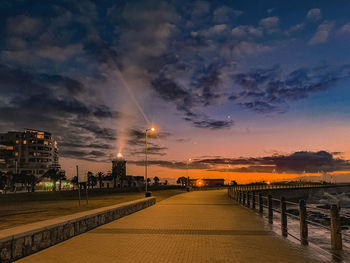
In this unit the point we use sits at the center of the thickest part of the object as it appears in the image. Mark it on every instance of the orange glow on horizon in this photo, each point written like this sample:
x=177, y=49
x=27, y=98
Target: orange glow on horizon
x=173, y=174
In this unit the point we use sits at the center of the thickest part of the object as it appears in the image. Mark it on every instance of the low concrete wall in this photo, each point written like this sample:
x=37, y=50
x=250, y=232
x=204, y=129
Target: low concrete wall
x=22, y=241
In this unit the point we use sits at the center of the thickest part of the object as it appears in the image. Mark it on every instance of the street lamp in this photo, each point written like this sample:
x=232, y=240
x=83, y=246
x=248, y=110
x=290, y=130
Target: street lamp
x=151, y=129
x=188, y=178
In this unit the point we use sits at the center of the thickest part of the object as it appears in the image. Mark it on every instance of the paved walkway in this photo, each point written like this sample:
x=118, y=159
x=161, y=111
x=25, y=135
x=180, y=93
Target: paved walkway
x=190, y=227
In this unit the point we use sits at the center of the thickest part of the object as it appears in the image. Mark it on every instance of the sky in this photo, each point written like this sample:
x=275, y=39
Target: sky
x=248, y=90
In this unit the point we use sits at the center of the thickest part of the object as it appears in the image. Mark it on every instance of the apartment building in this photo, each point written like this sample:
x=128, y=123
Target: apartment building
x=29, y=151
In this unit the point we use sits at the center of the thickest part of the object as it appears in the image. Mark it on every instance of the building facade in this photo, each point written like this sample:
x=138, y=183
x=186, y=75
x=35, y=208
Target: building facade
x=31, y=151
x=119, y=179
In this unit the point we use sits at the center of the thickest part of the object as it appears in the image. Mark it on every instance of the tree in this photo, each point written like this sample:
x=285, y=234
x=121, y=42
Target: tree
x=182, y=180
x=3, y=180
x=233, y=183
x=31, y=180
x=92, y=180
x=100, y=176
x=55, y=175
x=156, y=180
x=166, y=182
x=74, y=181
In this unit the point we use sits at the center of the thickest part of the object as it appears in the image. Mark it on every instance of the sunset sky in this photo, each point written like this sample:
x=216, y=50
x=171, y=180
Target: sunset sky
x=249, y=90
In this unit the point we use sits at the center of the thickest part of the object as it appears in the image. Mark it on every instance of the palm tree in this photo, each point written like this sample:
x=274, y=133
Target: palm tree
x=74, y=181
x=156, y=180
x=55, y=175
x=92, y=180
x=3, y=180
x=182, y=180
x=100, y=176
x=31, y=180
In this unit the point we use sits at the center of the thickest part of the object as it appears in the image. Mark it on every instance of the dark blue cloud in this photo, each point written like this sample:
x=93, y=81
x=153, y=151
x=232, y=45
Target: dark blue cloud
x=269, y=90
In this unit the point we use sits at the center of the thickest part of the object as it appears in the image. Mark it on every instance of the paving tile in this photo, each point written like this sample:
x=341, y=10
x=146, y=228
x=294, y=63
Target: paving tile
x=202, y=226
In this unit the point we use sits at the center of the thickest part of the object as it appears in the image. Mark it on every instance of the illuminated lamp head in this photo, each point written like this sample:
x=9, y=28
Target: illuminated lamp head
x=119, y=155
x=200, y=183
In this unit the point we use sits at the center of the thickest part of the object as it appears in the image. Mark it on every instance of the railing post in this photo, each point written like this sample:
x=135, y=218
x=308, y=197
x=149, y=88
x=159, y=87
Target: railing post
x=303, y=223
x=240, y=196
x=248, y=199
x=244, y=197
x=253, y=200
x=261, y=206
x=269, y=204
x=284, y=227
x=335, y=229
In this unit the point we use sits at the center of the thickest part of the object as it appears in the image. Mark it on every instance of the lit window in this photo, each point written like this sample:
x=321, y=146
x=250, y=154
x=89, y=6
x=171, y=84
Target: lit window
x=9, y=148
x=17, y=141
x=16, y=153
x=40, y=136
x=46, y=142
x=24, y=142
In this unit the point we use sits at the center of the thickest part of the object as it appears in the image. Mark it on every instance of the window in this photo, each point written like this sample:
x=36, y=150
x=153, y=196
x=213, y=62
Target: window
x=17, y=141
x=46, y=143
x=16, y=153
x=24, y=142
x=9, y=148
x=40, y=135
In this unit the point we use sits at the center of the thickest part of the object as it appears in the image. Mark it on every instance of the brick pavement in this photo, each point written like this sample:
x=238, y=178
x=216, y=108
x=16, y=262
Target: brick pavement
x=191, y=227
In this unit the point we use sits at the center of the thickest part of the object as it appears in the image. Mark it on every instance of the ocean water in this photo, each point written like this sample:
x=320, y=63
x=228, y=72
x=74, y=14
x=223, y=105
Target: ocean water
x=318, y=211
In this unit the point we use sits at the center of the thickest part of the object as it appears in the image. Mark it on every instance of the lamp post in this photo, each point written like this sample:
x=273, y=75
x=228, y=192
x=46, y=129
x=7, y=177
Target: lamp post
x=188, y=178
x=152, y=129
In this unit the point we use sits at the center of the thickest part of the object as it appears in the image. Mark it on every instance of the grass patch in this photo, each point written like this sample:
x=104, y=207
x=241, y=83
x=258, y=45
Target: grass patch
x=25, y=208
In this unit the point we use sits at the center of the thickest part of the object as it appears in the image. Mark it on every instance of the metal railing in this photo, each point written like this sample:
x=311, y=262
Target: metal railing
x=253, y=197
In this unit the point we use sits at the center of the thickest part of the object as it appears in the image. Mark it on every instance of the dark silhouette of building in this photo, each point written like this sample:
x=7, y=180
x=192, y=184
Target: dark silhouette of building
x=207, y=182
x=119, y=167
x=119, y=176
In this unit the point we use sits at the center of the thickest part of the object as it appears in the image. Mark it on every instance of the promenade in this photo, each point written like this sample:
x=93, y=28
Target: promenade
x=202, y=226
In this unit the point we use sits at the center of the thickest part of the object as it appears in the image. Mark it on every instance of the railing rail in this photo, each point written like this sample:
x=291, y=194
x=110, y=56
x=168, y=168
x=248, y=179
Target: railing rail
x=255, y=197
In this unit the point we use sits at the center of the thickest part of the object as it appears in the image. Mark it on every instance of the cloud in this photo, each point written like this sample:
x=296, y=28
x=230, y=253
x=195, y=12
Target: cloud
x=345, y=29
x=244, y=31
x=209, y=123
x=200, y=8
x=294, y=29
x=223, y=14
x=298, y=162
x=185, y=99
x=322, y=33
x=270, y=90
x=314, y=14
x=270, y=24
x=24, y=25
x=215, y=30
x=172, y=164
x=183, y=140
